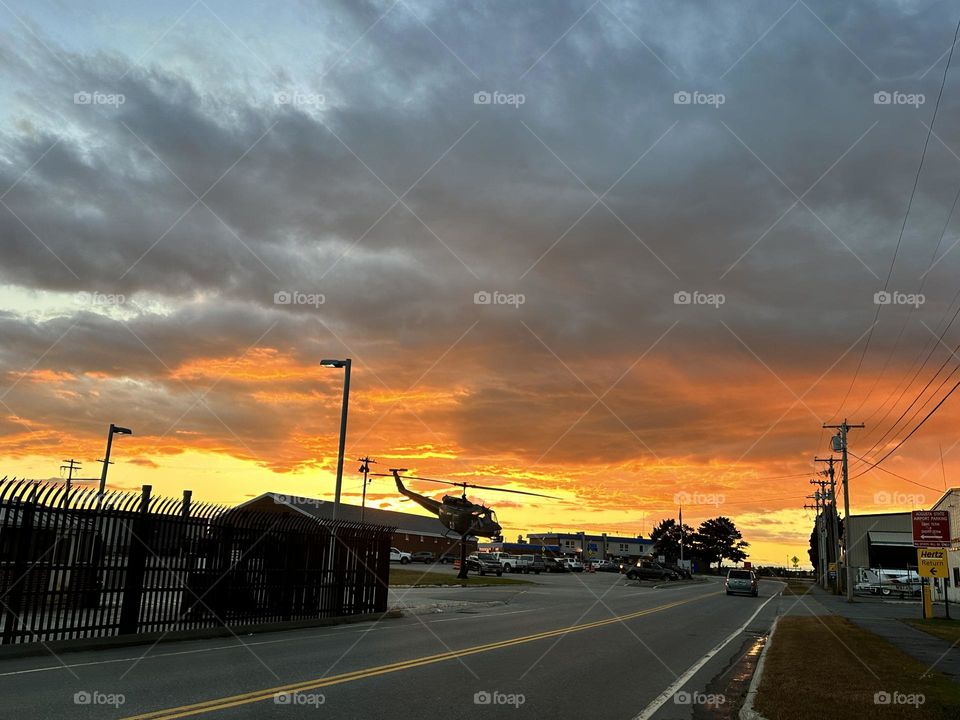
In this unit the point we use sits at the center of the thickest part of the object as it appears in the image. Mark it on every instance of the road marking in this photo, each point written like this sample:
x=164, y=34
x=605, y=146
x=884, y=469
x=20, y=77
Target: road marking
x=238, y=646
x=303, y=686
x=658, y=701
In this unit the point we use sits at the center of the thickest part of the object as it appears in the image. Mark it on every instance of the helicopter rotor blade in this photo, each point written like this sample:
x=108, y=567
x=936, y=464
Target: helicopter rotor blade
x=471, y=485
x=411, y=477
x=518, y=492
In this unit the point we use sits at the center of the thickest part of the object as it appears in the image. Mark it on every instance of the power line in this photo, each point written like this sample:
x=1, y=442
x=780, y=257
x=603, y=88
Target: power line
x=874, y=466
x=903, y=225
x=927, y=400
x=918, y=426
x=903, y=327
x=893, y=427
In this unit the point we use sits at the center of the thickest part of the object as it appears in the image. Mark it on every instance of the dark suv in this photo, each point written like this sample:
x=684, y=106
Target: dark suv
x=484, y=563
x=424, y=556
x=555, y=565
x=650, y=570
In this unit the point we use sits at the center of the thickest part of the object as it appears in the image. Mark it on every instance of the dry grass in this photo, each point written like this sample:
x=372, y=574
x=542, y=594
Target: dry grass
x=948, y=630
x=796, y=586
x=827, y=667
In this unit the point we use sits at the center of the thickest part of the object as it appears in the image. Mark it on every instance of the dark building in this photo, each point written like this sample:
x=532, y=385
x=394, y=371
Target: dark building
x=414, y=533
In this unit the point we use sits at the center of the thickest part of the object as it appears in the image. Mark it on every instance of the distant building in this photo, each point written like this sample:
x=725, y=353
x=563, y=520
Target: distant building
x=522, y=549
x=413, y=533
x=951, y=502
x=589, y=547
x=881, y=540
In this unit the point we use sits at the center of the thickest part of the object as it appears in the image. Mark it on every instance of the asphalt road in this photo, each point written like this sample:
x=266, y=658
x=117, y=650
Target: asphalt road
x=570, y=646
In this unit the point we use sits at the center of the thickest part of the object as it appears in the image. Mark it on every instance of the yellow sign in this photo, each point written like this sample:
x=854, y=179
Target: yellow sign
x=932, y=562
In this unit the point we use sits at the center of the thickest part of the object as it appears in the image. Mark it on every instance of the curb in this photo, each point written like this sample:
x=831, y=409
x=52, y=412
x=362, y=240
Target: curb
x=747, y=712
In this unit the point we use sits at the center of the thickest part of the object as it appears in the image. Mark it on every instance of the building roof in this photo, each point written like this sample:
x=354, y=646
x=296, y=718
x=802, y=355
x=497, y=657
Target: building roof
x=590, y=536
x=403, y=522
x=945, y=495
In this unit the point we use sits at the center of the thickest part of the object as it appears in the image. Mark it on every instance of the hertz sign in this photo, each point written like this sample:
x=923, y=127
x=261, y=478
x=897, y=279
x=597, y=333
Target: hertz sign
x=932, y=562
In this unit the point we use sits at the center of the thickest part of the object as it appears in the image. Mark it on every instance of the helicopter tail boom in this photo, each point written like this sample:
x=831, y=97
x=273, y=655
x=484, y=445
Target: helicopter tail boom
x=421, y=500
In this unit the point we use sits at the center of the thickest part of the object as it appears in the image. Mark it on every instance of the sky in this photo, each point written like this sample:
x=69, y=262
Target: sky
x=623, y=253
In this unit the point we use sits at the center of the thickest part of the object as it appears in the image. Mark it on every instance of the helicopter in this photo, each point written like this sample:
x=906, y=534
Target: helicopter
x=458, y=513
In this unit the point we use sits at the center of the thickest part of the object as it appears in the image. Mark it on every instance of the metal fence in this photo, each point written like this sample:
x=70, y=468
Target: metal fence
x=80, y=565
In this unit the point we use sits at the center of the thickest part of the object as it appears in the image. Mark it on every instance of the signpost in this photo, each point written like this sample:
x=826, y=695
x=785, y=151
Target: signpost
x=931, y=528
x=931, y=537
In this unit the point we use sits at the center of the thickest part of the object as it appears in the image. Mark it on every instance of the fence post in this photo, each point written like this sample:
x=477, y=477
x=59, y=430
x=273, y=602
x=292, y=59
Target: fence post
x=339, y=570
x=382, y=580
x=136, y=567
x=17, y=578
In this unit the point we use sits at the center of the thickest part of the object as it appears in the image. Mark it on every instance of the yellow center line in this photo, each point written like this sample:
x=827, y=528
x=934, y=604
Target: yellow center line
x=316, y=683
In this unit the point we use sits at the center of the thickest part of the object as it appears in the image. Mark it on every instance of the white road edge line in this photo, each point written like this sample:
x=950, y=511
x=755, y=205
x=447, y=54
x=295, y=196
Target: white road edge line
x=662, y=698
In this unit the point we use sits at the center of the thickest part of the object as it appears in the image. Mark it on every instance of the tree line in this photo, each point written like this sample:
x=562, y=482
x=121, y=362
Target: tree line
x=716, y=540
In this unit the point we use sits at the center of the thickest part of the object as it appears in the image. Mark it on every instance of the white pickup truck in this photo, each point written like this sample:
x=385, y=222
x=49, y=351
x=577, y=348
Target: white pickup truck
x=399, y=556
x=519, y=563
x=527, y=564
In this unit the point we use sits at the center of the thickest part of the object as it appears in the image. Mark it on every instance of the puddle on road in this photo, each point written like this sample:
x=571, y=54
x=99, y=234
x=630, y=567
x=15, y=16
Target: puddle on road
x=734, y=681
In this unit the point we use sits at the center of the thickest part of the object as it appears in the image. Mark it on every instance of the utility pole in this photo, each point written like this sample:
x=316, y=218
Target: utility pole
x=70, y=466
x=819, y=499
x=834, y=518
x=365, y=463
x=820, y=496
x=839, y=442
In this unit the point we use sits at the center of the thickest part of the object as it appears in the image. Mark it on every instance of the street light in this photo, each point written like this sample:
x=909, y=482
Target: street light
x=114, y=430
x=345, y=364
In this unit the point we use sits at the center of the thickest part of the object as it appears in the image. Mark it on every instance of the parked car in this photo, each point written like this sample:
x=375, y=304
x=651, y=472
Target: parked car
x=399, y=556
x=574, y=564
x=650, y=570
x=449, y=557
x=607, y=566
x=484, y=563
x=530, y=564
x=424, y=556
x=741, y=581
x=681, y=571
x=555, y=565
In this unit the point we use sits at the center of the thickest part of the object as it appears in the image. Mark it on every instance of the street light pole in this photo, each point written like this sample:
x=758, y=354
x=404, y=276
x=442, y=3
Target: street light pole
x=114, y=430
x=345, y=364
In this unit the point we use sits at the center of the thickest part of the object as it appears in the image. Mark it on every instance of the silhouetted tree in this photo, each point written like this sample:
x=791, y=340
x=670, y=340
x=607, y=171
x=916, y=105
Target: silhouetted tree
x=814, y=550
x=718, y=539
x=666, y=539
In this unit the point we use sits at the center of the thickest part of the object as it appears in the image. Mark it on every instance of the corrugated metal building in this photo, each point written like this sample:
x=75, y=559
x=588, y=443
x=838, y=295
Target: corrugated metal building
x=881, y=540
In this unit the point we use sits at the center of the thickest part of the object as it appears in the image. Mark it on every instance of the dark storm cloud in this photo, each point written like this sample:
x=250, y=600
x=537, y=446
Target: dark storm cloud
x=292, y=199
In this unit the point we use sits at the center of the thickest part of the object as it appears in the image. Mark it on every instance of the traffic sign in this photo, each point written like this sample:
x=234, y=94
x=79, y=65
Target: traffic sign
x=932, y=562
x=931, y=528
